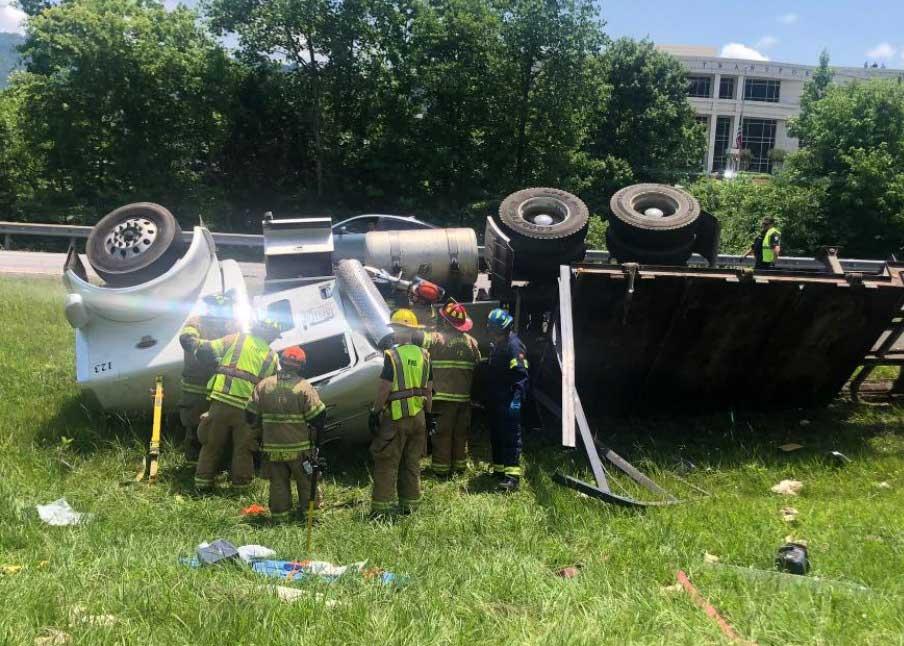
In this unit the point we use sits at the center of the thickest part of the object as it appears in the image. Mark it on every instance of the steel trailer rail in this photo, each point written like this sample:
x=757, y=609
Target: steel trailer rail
x=75, y=232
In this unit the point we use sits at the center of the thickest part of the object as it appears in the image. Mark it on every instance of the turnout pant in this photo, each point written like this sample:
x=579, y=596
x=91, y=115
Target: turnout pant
x=281, y=475
x=191, y=407
x=505, y=439
x=219, y=425
x=397, y=450
x=453, y=425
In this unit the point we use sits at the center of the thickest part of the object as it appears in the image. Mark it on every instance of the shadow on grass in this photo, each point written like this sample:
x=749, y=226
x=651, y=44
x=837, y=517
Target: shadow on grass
x=89, y=429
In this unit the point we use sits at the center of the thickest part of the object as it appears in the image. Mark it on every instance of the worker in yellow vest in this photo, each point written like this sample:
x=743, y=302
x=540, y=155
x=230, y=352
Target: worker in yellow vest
x=767, y=246
x=454, y=355
x=288, y=412
x=400, y=419
x=215, y=322
x=242, y=361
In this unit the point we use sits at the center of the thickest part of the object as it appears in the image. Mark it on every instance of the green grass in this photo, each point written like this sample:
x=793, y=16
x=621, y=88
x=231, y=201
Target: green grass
x=480, y=566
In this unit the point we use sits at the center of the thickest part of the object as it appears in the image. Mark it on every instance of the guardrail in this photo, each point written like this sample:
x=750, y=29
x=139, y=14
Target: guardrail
x=73, y=232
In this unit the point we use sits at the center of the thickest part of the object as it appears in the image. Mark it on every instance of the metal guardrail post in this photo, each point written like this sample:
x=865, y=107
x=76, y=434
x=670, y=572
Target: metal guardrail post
x=8, y=241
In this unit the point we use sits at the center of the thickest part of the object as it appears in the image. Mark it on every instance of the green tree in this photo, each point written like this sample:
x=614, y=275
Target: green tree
x=645, y=121
x=123, y=100
x=814, y=90
x=854, y=150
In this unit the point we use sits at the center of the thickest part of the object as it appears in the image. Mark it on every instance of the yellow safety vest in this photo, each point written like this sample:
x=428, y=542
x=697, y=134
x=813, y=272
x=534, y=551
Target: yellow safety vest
x=768, y=253
x=410, y=373
x=244, y=361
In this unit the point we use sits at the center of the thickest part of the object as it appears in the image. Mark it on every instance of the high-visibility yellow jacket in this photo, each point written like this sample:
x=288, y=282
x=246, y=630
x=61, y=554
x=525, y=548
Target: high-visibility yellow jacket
x=243, y=360
x=410, y=375
x=283, y=406
x=454, y=357
x=196, y=373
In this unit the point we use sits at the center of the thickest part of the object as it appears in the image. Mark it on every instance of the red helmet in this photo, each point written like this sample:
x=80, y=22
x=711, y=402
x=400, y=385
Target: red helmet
x=456, y=315
x=293, y=356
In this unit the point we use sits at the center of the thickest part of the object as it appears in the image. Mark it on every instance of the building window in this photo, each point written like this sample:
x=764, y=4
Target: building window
x=762, y=90
x=699, y=86
x=759, y=138
x=722, y=143
x=727, y=87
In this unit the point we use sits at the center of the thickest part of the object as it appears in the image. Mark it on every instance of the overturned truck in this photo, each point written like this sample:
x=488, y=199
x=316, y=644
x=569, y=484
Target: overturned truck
x=660, y=321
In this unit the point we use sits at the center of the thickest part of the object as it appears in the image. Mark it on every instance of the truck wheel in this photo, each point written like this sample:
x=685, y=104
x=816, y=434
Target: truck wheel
x=134, y=244
x=544, y=219
x=654, y=216
x=627, y=252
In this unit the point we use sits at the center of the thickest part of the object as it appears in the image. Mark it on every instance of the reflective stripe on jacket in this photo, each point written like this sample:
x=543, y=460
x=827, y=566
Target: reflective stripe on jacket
x=454, y=356
x=768, y=253
x=195, y=373
x=410, y=373
x=244, y=360
x=284, y=404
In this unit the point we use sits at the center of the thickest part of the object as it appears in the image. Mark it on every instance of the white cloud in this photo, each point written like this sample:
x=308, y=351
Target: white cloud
x=12, y=19
x=788, y=18
x=882, y=51
x=766, y=42
x=737, y=50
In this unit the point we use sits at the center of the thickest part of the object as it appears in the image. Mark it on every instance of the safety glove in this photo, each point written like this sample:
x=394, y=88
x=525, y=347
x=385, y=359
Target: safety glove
x=515, y=406
x=431, y=423
x=373, y=422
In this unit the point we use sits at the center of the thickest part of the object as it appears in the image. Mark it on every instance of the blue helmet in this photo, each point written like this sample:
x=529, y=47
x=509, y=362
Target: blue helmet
x=499, y=320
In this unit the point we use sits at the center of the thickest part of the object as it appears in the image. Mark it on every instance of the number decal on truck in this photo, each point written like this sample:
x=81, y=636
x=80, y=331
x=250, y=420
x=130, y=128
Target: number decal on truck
x=106, y=366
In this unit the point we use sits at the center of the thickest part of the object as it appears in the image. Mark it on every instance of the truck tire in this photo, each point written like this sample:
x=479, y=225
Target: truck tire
x=627, y=252
x=630, y=219
x=134, y=244
x=544, y=220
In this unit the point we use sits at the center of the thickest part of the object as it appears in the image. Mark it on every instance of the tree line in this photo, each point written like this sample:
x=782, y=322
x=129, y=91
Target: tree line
x=431, y=107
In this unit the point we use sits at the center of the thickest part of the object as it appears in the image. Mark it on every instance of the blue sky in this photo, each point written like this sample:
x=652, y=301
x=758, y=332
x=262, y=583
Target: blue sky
x=790, y=32
x=794, y=31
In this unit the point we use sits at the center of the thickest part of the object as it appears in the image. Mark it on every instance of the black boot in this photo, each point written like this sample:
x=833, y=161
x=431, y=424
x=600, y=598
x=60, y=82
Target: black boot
x=509, y=484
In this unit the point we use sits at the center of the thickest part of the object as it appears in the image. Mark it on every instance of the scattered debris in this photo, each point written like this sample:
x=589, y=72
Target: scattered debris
x=789, y=578
x=883, y=485
x=788, y=487
x=249, y=553
x=787, y=448
x=839, y=458
x=59, y=513
x=804, y=422
x=7, y=570
x=291, y=595
x=291, y=570
x=873, y=538
x=793, y=558
x=254, y=509
x=789, y=514
x=710, y=558
x=569, y=572
x=709, y=609
x=53, y=637
x=671, y=589
x=78, y=615
x=219, y=550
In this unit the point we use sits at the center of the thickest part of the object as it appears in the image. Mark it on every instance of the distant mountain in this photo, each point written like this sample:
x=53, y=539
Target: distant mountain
x=9, y=57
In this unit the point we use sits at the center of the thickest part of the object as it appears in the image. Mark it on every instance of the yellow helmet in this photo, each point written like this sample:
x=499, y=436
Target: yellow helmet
x=404, y=318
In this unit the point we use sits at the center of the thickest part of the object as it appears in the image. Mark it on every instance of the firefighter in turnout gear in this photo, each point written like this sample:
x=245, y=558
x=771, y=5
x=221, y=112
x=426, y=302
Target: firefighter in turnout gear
x=400, y=419
x=507, y=384
x=454, y=355
x=288, y=412
x=216, y=322
x=242, y=361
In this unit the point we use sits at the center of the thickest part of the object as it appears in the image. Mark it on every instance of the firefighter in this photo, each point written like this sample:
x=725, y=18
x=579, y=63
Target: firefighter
x=766, y=246
x=288, y=412
x=400, y=418
x=216, y=322
x=454, y=355
x=242, y=361
x=507, y=384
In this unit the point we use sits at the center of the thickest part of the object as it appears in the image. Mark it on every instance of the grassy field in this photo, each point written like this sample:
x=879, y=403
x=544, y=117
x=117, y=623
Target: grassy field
x=481, y=566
